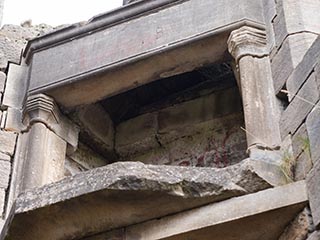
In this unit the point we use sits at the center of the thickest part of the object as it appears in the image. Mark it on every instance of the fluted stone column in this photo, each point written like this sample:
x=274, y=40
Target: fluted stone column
x=248, y=46
x=48, y=135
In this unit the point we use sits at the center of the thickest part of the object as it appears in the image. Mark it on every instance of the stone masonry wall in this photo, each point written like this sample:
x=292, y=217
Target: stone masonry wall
x=294, y=28
x=12, y=40
x=204, y=132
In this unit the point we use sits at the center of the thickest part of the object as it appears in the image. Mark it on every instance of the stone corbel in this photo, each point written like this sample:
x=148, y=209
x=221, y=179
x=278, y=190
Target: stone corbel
x=248, y=46
x=43, y=109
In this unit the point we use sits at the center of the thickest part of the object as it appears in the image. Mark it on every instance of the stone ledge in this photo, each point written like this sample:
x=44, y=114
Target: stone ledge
x=126, y=193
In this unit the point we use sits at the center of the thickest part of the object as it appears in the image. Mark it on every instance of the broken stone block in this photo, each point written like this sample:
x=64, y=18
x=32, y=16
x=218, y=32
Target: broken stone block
x=7, y=142
x=3, y=77
x=125, y=193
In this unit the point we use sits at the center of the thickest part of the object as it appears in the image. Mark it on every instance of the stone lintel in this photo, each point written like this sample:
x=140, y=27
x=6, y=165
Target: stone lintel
x=261, y=215
x=247, y=41
x=41, y=108
x=127, y=193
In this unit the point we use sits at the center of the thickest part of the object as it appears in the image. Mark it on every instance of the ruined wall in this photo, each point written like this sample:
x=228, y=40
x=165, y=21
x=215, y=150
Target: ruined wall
x=294, y=28
x=204, y=132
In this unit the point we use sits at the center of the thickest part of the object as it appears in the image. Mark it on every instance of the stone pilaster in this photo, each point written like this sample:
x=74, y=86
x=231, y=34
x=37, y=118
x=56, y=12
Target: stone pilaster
x=48, y=134
x=248, y=46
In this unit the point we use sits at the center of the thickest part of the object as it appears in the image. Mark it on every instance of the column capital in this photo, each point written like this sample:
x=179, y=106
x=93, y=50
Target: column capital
x=247, y=41
x=41, y=108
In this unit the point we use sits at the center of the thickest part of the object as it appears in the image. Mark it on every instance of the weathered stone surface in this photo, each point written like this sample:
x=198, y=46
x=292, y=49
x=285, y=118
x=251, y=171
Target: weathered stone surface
x=3, y=77
x=296, y=16
x=14, y=120
x=16, y=86
x=137, y=135
x=261, y=215
x=2, y=202
x=13, y=39
x=5, y=170
x=313, y=192
x=87, y=158
x=270, y=13
x=118, y=234
x=300, y=140
x=7, y=142
x=121, y=194
x=4, y=157
x=97, y=129
x=304, y=69
x=299, y=108
x=289, y=56
x=183, y=116
x=313, y=128
x=314, y=236
x=303, y=166
x=298, y=228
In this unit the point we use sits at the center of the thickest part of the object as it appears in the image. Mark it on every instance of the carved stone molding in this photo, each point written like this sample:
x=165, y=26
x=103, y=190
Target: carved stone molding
x=247, y=41
x=43, y=109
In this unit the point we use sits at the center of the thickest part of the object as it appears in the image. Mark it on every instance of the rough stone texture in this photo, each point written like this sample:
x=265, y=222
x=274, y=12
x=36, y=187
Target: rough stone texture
x=5, y=170
x=298, y=228
x=314, y=236
x=85, y=159
x=8, y=141
x=216, y=143
x=313, y=192
x=121, y=194
x=313, y=128
x=299, y=108
x=4, y=157
x=296, y=16
x=13, y=39
x=2, y=203
x=96, y=127
x=262, y=216
x=301, y=153
x=3, y=77
x=118, y=234
x=16, y=86
x=289, y=56
x=304, y=69
x=137, y=135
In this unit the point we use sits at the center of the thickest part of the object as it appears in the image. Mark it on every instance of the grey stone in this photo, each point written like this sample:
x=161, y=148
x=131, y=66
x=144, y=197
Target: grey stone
x=14, y=120
x=97, y=128
x=313, y=185
x=313, y=128
x=298, y=229
x=261, y=215
x=304, y=69
x=61, y=64
x=13, y=39
x=3, y=77
x=4, y=157
x=16, y=87
x=314, y=236
x=8, y=142
x=300, y=107
x=118, y=234
x=294, y=17
x=2, y=203
x=300, y=141
x=137, y=134
x=125, y=193
x=303, y=165
x=289, y=56
x=5, y=170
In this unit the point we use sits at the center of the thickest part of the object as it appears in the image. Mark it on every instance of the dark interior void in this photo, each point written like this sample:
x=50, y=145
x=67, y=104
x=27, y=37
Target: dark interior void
x=169, y=91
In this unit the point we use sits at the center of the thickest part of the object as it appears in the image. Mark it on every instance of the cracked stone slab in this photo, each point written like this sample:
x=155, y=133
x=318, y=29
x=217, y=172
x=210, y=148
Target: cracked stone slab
x=126, y=193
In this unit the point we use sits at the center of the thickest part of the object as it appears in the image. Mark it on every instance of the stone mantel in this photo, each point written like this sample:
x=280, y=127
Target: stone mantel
x=133, y=45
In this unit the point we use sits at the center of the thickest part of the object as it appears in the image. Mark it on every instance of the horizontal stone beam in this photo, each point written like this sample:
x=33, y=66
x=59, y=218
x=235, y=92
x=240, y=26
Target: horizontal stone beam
x=151, y=47
x=261, y=215
x=126, y=193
